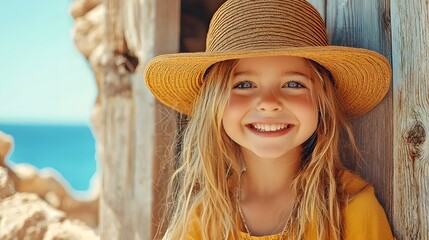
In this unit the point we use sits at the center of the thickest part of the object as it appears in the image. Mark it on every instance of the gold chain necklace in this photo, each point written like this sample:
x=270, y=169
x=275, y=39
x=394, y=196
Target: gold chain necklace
x=238, y=198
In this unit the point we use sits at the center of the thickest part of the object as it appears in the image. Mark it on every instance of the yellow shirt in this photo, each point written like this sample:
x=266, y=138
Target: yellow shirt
x=364, y=217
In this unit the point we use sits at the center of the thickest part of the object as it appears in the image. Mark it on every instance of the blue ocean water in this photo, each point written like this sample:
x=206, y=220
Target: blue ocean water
x=69, y=149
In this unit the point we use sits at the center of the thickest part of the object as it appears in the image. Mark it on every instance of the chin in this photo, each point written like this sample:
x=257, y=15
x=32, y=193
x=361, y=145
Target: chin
x=269, y=156
x=272, y=152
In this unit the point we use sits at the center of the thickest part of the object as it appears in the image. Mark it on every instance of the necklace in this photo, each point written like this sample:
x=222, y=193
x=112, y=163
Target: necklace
x=238, y=198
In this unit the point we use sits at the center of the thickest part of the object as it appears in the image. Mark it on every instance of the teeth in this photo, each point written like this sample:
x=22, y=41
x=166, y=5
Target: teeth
x=269, y=127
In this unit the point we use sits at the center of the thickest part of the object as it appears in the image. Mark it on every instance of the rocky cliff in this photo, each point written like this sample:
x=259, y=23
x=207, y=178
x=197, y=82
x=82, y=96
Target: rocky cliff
x=39, y=207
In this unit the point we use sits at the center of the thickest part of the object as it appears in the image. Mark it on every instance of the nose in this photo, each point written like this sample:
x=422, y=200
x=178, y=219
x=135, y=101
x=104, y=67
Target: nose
x=269, y=102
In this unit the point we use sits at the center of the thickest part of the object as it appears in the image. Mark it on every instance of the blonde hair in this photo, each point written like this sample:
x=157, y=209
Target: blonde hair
x=320, y=194
x=202, y=187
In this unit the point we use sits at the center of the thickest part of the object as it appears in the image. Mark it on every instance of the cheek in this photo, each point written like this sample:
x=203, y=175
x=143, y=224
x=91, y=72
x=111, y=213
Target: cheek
x=304, y=103
x=234, y=112
x=235, y=106
x=237, y=101
x=306, y=108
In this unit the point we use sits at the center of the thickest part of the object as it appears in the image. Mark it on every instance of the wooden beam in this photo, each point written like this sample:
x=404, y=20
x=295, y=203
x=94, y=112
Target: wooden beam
x=410, y=39
x=366, y=24
x=138, y=130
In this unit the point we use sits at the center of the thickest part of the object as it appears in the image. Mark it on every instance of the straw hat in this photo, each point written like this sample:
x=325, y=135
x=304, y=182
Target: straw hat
x=252, y=28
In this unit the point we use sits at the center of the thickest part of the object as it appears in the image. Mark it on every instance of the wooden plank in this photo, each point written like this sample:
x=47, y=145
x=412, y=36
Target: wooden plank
x=410, y=38
x=117, y=112
x=366, y=24
x=138, y=129
x=156, y=31
x=157, y=26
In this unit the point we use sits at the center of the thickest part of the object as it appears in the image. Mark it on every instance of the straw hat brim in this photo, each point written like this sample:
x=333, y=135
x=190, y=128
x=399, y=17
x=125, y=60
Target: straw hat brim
x=361, y=77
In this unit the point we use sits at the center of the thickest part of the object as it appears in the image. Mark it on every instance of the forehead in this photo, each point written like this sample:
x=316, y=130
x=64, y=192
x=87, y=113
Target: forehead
x=273, y=64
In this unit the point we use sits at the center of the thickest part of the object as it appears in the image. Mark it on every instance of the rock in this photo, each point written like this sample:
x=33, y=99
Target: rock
x=40, y=182
x=7, y=188
x=88, y=30
x=69, y=230
x=6, y=142
x=26, y=216
x=49, y=186
x=81, y=7
x=7, y=177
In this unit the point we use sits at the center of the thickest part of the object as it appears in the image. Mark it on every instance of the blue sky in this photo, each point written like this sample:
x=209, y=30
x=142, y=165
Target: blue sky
x=43, y=77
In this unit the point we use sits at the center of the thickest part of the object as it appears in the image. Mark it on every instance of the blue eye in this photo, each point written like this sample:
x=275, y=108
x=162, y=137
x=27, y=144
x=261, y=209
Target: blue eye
x=244, y=85
x=294, y=84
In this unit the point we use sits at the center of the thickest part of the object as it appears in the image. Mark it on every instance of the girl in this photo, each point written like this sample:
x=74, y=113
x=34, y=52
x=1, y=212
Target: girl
x=266, y=101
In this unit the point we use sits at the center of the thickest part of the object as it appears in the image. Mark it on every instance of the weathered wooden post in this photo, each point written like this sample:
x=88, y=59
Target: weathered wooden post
x=410, y=48
x=137, y=129
x=366, y=24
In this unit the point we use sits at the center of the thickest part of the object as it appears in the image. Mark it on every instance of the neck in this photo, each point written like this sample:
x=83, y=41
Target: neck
x=266, y=178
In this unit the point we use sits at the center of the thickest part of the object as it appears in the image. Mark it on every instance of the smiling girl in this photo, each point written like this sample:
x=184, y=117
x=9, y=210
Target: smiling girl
x=267, y=101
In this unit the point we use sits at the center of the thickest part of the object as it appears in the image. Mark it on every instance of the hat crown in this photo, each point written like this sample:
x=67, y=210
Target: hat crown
x=245, y=25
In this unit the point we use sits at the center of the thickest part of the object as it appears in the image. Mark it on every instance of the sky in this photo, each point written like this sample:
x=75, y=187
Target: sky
x=43, y=77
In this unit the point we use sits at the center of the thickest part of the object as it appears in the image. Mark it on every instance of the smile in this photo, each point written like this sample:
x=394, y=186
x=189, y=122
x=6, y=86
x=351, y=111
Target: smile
x=263, y=127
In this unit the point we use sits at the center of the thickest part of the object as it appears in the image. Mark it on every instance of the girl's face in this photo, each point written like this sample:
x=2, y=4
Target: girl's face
x=271, y=111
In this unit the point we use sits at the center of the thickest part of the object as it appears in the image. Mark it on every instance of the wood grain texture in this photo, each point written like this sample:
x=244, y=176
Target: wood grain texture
x=116, y=167
x=114, y=37
x=117, y=108
x=367, y=25
x=410, y=47
x=138, y=130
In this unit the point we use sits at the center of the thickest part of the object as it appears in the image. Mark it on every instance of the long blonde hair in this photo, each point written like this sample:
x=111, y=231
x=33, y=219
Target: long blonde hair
x=202, y=187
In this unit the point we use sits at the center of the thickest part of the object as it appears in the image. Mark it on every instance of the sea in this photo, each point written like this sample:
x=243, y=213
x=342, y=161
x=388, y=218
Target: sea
x=68, y=149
